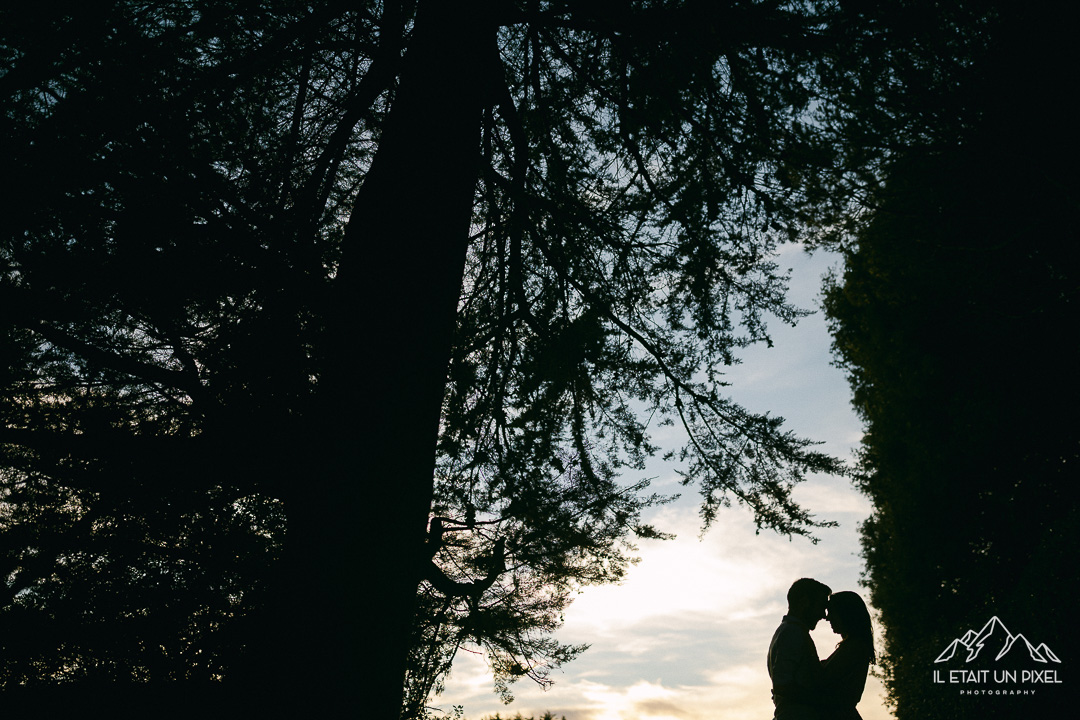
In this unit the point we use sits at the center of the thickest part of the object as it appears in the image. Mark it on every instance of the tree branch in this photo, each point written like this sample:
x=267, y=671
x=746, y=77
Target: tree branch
x=453, y=588
x=143, y=371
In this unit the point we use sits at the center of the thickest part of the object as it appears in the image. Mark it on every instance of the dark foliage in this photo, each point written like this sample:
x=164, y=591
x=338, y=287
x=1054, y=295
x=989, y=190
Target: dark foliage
x=955, y=319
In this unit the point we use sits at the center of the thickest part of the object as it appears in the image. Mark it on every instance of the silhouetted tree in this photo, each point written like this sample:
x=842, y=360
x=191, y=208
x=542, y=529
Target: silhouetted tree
x=309, y=313
x=955, y=320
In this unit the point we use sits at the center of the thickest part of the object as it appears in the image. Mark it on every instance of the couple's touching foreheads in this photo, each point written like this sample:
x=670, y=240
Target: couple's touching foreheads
x=805, y=687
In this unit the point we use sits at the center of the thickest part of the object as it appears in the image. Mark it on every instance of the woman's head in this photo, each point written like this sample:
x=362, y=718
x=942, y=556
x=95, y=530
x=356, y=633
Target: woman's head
x=849, y=618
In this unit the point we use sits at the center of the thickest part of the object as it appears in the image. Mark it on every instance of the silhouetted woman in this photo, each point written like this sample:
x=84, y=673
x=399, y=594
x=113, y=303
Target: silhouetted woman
x=844, y=672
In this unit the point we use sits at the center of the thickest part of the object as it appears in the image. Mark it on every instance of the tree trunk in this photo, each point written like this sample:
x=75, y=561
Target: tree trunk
x=357, y=526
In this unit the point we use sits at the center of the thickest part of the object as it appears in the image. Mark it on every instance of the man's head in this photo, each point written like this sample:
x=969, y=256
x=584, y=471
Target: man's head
x=807, y=600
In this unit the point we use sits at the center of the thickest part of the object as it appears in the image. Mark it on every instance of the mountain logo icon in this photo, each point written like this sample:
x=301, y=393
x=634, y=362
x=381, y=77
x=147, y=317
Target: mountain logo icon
x=995, y=640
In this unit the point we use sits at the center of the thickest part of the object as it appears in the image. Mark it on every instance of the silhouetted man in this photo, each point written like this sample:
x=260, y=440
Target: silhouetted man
x=793, y=659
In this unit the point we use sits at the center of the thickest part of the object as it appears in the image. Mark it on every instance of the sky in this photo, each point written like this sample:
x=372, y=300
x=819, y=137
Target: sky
x=684, y=636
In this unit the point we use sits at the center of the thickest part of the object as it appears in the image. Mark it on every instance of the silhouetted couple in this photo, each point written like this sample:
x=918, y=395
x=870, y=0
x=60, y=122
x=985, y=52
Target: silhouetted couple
x=804, y=687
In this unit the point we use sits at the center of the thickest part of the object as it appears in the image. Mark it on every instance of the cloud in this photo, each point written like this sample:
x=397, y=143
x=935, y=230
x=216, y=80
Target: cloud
x=828, y=497
x=649, y=700
x=686, y=633
x=741, y=691
x=723, y=576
